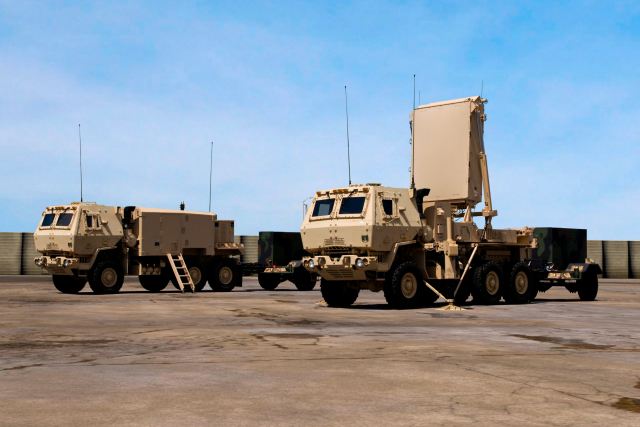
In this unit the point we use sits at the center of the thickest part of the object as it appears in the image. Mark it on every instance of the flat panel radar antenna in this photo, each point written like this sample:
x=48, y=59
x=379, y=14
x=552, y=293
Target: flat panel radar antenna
x=346, y=111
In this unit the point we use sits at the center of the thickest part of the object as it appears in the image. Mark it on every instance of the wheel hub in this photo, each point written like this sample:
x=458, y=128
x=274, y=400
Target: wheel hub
x=225, y=275
x=109, y=277
x=492, y=283
x=196, y=275
x=409, y=285
x=521, y=282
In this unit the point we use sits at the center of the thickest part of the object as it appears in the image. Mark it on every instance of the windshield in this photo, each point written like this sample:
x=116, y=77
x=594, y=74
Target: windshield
x=323, y=207
x=64, y=219
x=351, y=205
x=47, y=220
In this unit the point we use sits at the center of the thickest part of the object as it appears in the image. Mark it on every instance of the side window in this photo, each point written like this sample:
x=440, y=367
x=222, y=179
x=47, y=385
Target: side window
x=387, y=206
x=89, y=221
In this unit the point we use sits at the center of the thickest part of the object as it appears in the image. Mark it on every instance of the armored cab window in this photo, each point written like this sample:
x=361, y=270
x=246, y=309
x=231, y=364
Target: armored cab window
x=352, y=205
x=47, y=220
x=323, y=207
x=64, y=219
x=387, y=206
x=89, y=221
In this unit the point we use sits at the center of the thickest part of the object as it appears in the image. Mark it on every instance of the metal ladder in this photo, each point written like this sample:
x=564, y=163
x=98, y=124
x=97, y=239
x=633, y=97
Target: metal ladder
x=181, y=272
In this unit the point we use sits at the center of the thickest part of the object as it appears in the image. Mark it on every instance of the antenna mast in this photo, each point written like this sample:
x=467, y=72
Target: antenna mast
x=413, y=132
x=346, y=110
x=210, y=174
x=80, y=140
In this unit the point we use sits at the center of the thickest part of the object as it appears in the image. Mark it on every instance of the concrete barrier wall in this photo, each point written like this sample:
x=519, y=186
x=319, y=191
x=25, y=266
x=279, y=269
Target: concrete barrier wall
x=634, y=259
x=10, y=253
x=616, y=259
x=250, y=249
x=28, y=254
x=619, y=259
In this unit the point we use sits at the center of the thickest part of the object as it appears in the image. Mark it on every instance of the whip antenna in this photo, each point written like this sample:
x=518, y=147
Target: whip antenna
x=80, y=140
x=413, y=132
x=346, y=111
x=210, y=174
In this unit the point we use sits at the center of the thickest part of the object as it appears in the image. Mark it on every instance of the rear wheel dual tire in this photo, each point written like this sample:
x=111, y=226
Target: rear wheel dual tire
x=225, y=275
x=521, y=286
x=338, y=293
x=487, y=286
x=197, y=273
x=106, y=277
x=69, y=284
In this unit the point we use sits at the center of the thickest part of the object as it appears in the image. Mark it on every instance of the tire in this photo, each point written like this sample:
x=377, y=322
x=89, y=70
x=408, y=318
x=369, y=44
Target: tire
x=106, y=277
x=338, y=293
x=225, y=276
x=521, y=285
x=268, y=281
x=68, y=284
x=588, y=289
x=154, y=283
x=304, y=280
x=404, y=287
x=487, y=285
x=197, y=273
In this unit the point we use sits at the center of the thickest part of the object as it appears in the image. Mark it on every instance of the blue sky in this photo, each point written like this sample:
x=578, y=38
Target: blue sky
x=152, y=83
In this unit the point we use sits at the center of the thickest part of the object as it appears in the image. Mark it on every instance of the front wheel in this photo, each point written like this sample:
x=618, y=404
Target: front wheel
x=106, y=277
x=338, y=294
x=68, y=284
x=404, y=287
x=225, y=276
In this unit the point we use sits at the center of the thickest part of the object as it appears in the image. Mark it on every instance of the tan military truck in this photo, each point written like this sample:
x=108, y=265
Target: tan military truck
x=101, y=244
x=416, y=244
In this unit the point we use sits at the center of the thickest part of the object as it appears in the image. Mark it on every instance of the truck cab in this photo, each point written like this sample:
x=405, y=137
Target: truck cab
x=355, y=232
x=70, y=236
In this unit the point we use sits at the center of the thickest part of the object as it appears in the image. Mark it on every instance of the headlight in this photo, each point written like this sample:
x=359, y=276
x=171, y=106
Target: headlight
x=65, y=263
x=359, y=263
x=312, y=264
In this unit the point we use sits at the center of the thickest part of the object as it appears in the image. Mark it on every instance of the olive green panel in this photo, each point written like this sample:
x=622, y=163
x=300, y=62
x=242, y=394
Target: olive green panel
x=561, y=246
x=279, y=247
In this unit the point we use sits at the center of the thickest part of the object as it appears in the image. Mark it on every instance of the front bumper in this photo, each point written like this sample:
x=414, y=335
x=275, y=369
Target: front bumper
x=346, y=267
x=57, y=264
